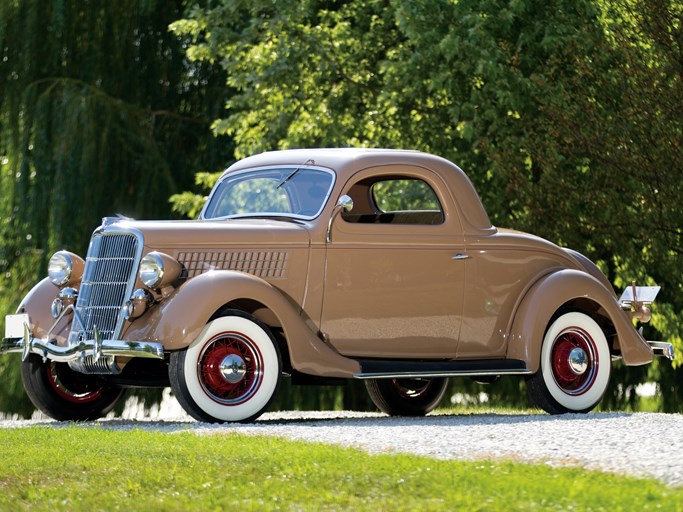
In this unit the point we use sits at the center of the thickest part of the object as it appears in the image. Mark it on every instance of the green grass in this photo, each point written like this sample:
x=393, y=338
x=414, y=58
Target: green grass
x=92, y=468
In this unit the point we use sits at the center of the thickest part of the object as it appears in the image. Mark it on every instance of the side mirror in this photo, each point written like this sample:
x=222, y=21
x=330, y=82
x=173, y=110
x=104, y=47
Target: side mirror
x=344, y=203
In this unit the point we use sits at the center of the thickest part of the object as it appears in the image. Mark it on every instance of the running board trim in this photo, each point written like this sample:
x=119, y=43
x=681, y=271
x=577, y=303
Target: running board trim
x=402, y=369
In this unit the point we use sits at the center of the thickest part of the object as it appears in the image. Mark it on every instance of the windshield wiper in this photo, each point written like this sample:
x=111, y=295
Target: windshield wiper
x=293, y=173
x=289, y=177
x=281, y=217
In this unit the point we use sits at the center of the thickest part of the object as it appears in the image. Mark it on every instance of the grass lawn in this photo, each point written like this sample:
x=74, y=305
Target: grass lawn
x=76, y=468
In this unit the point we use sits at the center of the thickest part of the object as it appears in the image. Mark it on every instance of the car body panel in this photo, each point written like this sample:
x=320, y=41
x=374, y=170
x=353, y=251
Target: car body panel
x=342, y=290
x=551, y=293
x=37, y=304
x=381, y=299
x=179, y=319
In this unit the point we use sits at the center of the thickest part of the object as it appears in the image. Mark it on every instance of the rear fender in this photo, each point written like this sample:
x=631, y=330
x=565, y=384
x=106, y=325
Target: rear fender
x=554, y=291
x=179, y=319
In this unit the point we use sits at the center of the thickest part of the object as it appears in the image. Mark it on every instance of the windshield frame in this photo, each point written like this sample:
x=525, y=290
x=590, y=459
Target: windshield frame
x=292, y=169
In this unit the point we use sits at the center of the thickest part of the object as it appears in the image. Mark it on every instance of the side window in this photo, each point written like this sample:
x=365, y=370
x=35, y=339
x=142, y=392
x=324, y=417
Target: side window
x=397, y=200
x=404, y=195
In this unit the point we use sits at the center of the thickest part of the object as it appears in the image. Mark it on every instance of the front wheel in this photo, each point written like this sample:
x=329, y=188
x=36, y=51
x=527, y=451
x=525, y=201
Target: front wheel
x=66, y=395
x=575, y=366
x=229, y=373
x=406, y=397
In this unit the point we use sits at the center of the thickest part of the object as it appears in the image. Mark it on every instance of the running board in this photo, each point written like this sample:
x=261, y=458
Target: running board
x=403, y=369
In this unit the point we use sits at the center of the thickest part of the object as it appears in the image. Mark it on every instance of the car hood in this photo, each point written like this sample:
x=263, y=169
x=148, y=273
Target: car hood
x=207, y=235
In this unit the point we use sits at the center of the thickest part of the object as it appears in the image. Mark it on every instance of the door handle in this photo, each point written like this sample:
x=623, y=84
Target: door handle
x=460, y=256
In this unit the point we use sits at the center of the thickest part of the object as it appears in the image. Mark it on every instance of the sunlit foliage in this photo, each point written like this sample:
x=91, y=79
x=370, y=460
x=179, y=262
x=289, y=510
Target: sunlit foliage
x=565, y=114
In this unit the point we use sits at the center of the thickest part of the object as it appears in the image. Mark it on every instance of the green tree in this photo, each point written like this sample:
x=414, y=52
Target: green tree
x=100, y=112
x=565, y=114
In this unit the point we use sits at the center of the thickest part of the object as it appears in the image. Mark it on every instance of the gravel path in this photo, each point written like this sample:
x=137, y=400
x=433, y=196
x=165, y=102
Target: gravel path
x=642, y=444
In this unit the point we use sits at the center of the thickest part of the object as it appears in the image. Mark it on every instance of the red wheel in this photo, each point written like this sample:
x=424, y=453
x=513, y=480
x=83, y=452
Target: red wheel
x=64, y=383
x=64, y=394
x=574, y=361
x=229, y=373
x=230, y=368
x=575, y=366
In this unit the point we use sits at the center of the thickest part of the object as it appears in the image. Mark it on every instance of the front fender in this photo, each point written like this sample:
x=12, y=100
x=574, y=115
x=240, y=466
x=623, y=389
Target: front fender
x=548, y=295
x=38, y=304
x=179, y=319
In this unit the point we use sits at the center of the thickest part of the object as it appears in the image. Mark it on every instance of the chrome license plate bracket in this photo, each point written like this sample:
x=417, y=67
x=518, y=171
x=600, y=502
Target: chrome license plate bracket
x=640, y=294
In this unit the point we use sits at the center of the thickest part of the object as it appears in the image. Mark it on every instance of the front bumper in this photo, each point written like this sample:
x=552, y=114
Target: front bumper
x=95, y=348
x=18, y=339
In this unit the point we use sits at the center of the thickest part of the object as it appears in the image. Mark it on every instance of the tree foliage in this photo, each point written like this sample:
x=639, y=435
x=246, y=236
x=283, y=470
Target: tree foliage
x=565, y=114
x=100, y=112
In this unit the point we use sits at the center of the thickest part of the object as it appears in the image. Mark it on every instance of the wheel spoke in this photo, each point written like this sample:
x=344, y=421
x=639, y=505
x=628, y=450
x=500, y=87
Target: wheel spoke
x=230, y=368
x=574, y=360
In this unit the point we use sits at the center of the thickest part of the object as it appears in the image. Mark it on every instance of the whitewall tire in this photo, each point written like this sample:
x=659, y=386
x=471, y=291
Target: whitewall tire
x=229, y=373
x=575, y=366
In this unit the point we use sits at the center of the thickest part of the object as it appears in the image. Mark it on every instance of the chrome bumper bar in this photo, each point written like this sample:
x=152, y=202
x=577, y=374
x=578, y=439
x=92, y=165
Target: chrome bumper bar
x=18, y=339
x=95, y=348
x=662, y=348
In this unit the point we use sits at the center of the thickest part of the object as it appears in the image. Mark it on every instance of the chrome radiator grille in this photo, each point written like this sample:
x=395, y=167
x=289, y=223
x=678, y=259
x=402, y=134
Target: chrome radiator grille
x=107, y=283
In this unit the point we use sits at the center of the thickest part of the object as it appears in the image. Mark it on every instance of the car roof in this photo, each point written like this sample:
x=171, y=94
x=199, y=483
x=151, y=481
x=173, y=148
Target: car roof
x=347, y=161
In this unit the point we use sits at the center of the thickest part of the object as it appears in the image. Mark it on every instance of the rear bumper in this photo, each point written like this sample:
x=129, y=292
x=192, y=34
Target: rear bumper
x=662, y=348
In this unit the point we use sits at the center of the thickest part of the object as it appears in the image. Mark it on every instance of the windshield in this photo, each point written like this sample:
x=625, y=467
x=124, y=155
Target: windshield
x=283, y=191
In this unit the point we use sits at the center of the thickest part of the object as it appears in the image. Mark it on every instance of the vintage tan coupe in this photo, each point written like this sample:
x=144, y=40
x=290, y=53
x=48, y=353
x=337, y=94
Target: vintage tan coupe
x=321, y=265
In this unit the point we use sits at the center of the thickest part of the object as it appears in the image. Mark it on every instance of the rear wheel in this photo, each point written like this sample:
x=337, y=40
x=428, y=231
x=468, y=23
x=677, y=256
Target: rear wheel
x=229, y=373
x=406, y=397
x=575, y=366
x=64, y=394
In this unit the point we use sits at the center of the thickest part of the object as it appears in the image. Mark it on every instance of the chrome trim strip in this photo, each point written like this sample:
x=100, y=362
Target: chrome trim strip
x=452, y=373
x=662, y=348
x=43, y=347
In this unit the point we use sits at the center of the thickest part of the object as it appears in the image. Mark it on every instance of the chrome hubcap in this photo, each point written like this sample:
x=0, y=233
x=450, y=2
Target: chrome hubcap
x=233, y=368
x=578, y=361
x=574, y=360
x=230, y=368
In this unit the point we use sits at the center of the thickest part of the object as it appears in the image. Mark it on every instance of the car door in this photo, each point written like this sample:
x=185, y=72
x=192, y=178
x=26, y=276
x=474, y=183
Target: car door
x=394, y=273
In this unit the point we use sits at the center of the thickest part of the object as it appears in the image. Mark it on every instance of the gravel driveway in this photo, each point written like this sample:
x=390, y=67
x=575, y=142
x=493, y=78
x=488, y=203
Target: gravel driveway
x=641, y=444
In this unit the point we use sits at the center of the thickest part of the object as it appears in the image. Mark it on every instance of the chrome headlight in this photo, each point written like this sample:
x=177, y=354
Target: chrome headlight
x=158, y=269
x=152, y=270
x=60, y=267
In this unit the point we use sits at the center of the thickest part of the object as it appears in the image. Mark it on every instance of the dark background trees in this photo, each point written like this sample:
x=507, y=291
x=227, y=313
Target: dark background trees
x=100, y=113
x=565, y=114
